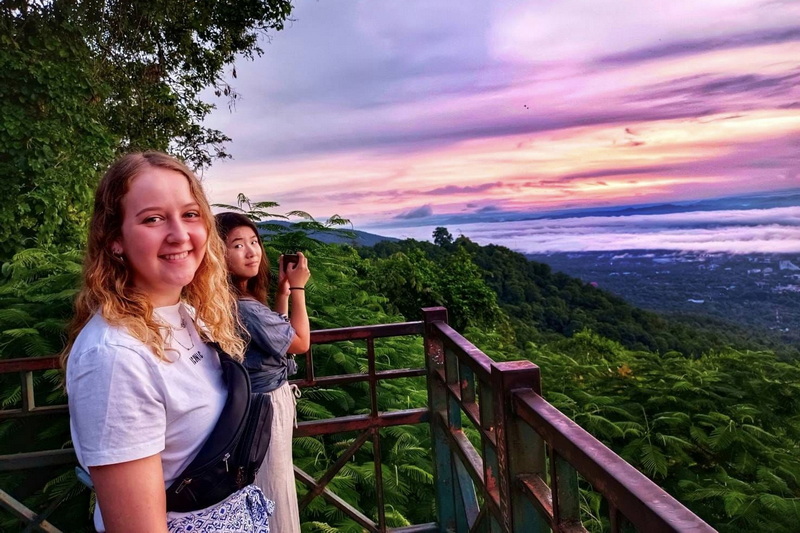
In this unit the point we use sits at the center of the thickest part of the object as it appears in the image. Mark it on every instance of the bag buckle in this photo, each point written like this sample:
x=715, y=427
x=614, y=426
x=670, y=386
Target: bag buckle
x=185, y=482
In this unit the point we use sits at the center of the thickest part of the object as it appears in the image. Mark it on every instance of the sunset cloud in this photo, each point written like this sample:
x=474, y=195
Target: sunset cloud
x=420, y=212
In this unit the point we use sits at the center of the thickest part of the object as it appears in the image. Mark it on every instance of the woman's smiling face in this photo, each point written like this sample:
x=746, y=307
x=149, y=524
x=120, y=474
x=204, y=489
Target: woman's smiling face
x=163, y=234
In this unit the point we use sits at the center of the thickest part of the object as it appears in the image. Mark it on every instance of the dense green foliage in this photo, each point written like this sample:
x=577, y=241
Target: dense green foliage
x=718, y=429
x=81, y=82
x=720, y=432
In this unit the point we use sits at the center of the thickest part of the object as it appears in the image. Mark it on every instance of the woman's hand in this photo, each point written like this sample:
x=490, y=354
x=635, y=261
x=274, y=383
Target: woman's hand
x=290, y=275
x=295, y=274
x=131, y=495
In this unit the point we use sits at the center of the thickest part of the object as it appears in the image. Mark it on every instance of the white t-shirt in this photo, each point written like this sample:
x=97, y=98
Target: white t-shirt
x=126, y=404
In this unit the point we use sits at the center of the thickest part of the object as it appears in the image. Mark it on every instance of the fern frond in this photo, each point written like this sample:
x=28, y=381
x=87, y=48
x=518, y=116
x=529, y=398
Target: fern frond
x=312, y=410
x=16, y=333
x=301, y=214
x=11, y=317
x=417, y=474
x=653, y=460
x=309, y=444
x=723, y=436
x=733, y=501
x=11, y=397
x=315, y=526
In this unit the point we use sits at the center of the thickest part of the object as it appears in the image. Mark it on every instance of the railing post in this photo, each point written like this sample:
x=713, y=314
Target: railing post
x=437, y=402
x=28, y=398
x=520, y=450
x=565, y=492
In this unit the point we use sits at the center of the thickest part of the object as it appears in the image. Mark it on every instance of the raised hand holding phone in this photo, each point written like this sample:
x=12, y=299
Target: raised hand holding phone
x=294, y=272
x=289, y=259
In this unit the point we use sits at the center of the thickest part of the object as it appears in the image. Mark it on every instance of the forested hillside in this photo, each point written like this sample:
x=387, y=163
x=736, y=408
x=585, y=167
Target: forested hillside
x=543, y=305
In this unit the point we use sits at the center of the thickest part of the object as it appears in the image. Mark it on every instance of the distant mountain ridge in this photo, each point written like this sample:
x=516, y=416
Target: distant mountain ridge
x=759, y=200
x=772, y=200
x=362, y=238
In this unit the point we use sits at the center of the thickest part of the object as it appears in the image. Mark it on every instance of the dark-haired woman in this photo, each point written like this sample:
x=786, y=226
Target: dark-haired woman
x=273, y=333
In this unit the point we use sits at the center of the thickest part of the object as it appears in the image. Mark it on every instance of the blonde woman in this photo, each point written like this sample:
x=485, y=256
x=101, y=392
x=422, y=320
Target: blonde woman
x=144, y=388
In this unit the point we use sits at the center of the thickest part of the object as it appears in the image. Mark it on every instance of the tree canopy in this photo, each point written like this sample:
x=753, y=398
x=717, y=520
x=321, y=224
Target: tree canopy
x=82, y=82
x=442, y=237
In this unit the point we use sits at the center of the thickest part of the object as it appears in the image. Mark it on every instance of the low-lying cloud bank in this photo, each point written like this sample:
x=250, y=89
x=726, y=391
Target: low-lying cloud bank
x=735, y=231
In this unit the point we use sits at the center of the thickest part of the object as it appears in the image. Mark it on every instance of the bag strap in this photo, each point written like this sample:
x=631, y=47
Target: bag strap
x=232, y=419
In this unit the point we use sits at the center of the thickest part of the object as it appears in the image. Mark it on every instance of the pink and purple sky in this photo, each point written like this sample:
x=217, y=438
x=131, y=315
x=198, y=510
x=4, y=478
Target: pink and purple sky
x=395, y=112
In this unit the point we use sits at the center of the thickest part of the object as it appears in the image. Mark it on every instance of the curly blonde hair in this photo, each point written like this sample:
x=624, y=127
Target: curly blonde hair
x=108, y=284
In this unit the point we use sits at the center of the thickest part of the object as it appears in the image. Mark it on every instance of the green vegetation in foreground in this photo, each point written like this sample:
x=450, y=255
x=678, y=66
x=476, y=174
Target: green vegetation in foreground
x=715, y=425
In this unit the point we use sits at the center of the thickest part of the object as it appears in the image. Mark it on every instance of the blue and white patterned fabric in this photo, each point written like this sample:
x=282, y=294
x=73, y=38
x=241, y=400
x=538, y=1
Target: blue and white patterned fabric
x=245, y=511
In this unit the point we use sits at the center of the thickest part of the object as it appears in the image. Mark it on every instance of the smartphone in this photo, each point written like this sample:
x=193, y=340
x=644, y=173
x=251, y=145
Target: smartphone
x=289, y=259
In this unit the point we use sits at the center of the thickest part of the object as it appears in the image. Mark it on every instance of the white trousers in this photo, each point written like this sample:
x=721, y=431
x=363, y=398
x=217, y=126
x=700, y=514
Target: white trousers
x=276, y=476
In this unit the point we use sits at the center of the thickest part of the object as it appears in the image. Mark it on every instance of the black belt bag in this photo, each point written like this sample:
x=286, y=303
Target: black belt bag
x=235, y=449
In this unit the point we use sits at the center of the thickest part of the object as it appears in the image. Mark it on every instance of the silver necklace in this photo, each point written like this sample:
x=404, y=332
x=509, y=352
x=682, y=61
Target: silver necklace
x=173, y=337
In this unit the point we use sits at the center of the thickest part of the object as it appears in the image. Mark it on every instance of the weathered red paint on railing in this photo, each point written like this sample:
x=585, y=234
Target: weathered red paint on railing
x=28, y=364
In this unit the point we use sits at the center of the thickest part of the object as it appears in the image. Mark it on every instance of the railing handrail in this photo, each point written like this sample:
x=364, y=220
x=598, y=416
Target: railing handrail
x=323, y=336
x=29, y=364
x=630, y=491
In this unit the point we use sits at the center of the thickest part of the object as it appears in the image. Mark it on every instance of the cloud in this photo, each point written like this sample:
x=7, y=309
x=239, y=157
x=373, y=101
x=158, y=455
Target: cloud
x=488, y=209
x=419, y=212
x=688, y=47
x=460, y=189
x=750, y=231
x=369, y=109
x=381, y=79
x=610, y=172
x=710, y=86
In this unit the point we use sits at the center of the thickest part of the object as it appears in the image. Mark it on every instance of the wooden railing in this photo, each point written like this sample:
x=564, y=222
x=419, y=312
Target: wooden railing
x=522, y=476
x=530, y=455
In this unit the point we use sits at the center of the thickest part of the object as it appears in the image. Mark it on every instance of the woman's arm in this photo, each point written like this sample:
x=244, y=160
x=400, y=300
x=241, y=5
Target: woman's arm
x=282, y=294
x=293, y=282
x=131, y=495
